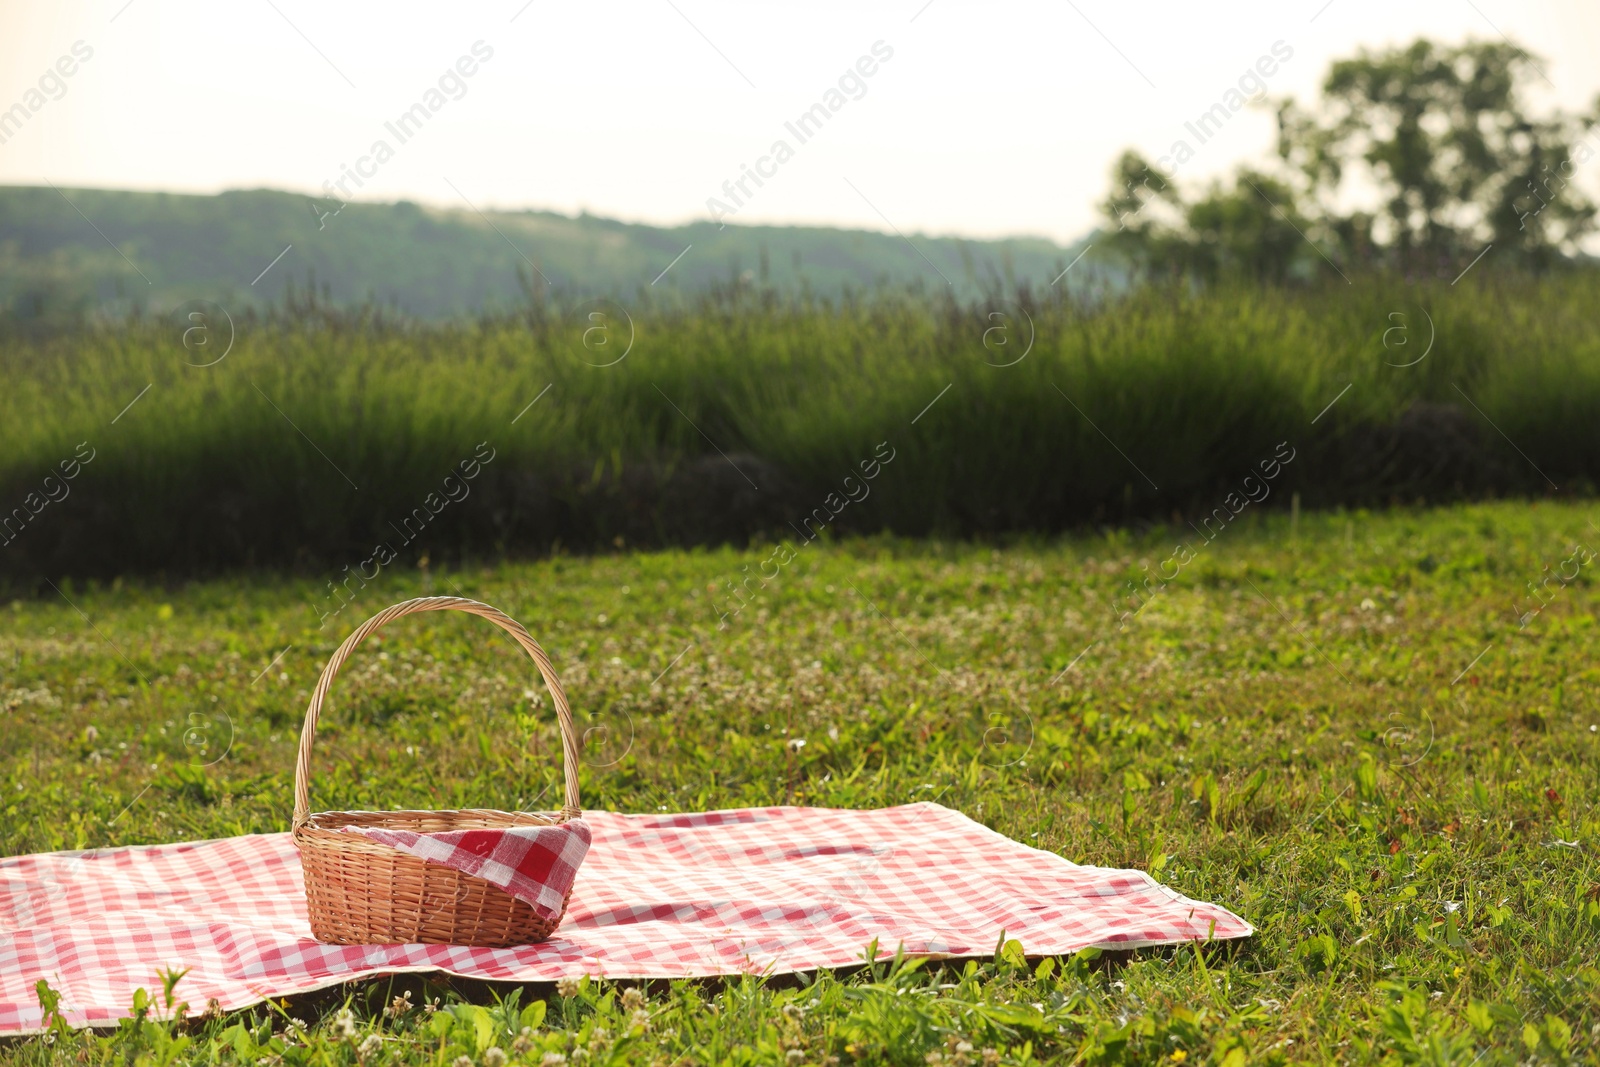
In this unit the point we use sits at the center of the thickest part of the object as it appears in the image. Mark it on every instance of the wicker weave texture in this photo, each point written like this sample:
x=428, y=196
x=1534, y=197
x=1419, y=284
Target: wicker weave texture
x=361, y=892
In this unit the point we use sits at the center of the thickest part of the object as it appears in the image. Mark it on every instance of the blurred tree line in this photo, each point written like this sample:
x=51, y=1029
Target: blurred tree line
x=1414, y=160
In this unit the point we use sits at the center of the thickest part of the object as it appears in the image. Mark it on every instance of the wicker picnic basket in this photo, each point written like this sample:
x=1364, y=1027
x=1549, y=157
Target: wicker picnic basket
x=360, y=892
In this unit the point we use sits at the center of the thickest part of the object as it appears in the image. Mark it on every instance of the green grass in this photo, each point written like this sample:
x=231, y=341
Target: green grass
x=1340, y=731
x=312, y=441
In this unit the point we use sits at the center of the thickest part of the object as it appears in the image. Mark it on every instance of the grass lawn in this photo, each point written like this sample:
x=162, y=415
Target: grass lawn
x=1345, y=733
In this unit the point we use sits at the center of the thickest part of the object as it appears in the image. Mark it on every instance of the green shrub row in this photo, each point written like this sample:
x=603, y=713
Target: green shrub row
x=317, y=439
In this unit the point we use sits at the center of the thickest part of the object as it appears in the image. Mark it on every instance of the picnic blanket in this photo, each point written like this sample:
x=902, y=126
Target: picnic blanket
x=758, y=890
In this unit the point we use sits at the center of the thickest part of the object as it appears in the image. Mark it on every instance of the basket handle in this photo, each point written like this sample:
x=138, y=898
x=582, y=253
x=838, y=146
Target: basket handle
x=308, y=732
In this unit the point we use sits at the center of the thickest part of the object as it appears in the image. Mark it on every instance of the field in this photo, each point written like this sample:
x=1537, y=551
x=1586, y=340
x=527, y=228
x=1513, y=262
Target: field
x=320, y=439
x=1360, y=731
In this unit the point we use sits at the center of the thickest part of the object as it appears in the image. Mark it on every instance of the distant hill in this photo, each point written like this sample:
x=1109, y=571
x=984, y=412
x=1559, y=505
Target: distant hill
x=87, y=251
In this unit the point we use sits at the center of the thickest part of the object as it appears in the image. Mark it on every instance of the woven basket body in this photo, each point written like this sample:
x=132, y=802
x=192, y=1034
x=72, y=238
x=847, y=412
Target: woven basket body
x=361, y=892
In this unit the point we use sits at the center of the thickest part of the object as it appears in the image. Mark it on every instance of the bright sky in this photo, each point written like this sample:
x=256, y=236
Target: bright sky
x=986, y=119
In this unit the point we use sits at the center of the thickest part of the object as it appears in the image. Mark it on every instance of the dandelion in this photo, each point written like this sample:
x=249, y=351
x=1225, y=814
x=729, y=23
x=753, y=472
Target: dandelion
x=1179, y=1055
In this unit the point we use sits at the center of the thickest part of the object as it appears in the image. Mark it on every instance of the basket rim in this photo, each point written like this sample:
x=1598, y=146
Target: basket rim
x=328, y=831
x=559, y=816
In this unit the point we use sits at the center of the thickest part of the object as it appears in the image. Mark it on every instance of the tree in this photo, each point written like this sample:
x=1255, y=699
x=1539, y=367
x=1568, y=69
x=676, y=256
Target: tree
x=1146, y=211
x=1445, y=137
x=1251, y=228
x=1414, y=159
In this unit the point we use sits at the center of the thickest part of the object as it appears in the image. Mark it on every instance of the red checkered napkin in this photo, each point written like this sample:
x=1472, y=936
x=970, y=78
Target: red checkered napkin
x=532, y=863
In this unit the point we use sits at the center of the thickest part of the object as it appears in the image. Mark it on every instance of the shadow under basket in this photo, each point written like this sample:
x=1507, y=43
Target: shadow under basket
x=362, y=892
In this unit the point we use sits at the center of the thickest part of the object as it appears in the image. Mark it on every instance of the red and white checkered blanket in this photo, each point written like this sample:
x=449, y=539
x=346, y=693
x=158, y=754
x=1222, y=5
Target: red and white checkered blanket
x=763, y=890
x=532, y=863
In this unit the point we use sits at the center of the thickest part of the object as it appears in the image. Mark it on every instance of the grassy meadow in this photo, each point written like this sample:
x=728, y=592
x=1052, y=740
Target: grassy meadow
x=306, y=440
x=1360, y=731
